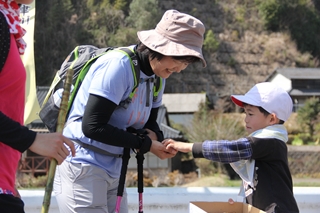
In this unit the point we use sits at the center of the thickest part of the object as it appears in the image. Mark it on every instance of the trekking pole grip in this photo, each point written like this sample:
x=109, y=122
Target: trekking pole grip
x=60, y=125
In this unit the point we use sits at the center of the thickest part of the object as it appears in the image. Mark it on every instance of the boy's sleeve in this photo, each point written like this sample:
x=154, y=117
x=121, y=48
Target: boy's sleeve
x=197, y=150
x=225, y=151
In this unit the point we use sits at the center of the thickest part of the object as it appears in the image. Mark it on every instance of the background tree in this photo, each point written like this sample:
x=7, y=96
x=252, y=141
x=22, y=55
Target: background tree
x=308, y=116
x=51, y=38
x=143, y=15
x=299, y=17
x=121, y=5
x=245, y=51
x=213, y=125
x=210, y=43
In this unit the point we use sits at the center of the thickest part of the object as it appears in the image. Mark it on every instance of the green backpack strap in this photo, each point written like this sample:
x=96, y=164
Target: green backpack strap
x=135, y=67
x=157, y=87
x=81, y=76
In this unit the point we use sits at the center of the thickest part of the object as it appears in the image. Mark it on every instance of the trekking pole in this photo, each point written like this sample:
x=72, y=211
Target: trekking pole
x=140, y=159
x=122, y=179
x=60, y=125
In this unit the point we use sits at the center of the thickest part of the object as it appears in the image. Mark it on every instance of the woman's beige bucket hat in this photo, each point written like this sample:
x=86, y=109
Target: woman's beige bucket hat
x=177, y=34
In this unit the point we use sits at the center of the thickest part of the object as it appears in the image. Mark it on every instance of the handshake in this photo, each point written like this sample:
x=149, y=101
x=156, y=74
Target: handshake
x=175, y=146
x=167, y=148
x=171, y=147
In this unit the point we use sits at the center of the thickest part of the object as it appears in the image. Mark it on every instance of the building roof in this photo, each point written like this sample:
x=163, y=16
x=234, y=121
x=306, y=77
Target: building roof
x=164, y=124
x=183, y=102
x=41, y=93
x=305, y=92
x=297, y=73
x=300, y=82
x=169, y=132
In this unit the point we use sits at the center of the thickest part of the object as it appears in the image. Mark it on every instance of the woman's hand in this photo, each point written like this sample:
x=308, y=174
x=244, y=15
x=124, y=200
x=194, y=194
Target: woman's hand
x=160, y=150
x=151, y=135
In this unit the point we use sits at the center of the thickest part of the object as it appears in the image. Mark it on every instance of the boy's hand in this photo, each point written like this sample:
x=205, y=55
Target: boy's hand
x=177, y=145
x=230, y=201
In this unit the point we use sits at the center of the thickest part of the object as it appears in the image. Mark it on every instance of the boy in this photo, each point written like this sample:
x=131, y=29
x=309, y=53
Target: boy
x=261, y=158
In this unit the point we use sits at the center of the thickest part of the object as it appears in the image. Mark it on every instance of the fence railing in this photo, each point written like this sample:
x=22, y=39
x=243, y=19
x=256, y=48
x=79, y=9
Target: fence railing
x=35, y=164
x=304, y=161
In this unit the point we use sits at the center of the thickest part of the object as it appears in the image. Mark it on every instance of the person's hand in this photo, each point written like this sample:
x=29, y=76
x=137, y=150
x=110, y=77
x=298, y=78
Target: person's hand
x=52, y=145
x=177, y=145
x=231, y=201
x=151, y=134
x=16, y=193
x=160, y=150
x=169, y=146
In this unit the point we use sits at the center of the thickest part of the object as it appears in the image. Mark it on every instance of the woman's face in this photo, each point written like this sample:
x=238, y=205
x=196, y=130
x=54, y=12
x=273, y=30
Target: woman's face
x=24, y=1
x=166, y=66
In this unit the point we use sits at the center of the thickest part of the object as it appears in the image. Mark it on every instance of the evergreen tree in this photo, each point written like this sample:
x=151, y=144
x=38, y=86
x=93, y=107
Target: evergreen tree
x=121, y=5
x=144, y=14
x=210, y=44
x=308, y=116
x=51, y=37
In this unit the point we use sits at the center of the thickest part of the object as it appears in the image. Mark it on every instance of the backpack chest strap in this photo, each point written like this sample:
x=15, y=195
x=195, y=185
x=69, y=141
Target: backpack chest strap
x=96, y=149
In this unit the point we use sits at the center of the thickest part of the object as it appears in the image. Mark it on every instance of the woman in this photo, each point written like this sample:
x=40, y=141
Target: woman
x=89, y=181
x=14, y=137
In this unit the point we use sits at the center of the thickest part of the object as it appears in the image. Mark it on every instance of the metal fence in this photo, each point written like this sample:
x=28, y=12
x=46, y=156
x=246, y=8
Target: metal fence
x=304, y=161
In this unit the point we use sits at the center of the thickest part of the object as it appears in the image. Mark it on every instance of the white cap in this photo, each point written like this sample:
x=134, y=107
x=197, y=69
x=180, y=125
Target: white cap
x=270, y=97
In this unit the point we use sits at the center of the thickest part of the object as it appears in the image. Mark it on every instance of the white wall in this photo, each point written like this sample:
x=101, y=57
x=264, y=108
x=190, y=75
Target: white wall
x=176, y=199
x=183, y=102
x=282, y=81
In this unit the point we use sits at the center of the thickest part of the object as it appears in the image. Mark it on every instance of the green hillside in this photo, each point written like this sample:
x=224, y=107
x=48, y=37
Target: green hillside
x=245, y=39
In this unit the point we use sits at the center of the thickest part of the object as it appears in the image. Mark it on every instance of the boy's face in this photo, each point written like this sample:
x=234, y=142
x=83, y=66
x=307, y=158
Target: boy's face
x=255, y=119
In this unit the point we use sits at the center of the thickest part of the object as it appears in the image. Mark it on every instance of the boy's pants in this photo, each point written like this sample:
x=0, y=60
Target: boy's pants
x=83, y=188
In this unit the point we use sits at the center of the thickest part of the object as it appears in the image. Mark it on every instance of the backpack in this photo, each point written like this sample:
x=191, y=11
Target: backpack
x=80, y=60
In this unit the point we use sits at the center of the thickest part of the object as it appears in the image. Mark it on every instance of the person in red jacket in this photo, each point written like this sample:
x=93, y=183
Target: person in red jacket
x=14, y=137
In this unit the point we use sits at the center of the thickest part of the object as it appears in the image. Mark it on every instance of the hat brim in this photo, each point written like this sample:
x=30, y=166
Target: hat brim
x=161, y=44
x=241, y=99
